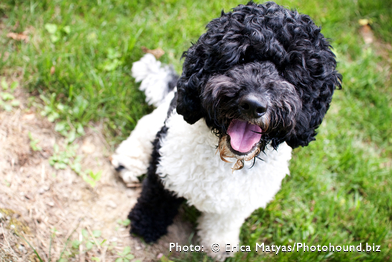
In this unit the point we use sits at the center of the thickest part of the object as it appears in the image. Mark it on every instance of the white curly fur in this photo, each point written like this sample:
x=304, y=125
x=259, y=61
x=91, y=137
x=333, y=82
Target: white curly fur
x=196, y=172
x=154, y=77
x=134, y=152
x=190, y=167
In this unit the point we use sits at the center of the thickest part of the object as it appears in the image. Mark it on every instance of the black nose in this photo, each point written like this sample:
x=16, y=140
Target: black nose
x=253, y=106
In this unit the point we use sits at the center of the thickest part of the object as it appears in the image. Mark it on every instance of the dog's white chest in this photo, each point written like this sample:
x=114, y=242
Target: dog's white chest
x=190, y=167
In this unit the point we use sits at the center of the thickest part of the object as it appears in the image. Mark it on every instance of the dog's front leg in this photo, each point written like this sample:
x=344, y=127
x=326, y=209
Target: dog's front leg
x=154, y=211
x=133, y=155
x=156, y=207
x=219, y=233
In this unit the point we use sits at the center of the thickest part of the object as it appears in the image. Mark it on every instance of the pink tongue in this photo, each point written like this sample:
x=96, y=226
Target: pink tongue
x=242, y=135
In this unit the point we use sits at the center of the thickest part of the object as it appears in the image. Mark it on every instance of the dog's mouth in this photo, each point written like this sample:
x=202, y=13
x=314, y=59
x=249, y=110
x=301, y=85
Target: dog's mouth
x=243, y=135
x=242, y=142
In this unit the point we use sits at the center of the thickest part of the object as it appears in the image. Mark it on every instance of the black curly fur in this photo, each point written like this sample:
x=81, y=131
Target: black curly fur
x=287, y=44
x=156, y=207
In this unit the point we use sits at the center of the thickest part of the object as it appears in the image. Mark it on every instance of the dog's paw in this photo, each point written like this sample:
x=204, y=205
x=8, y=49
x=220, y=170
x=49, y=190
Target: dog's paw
x=146, y=225
x=217, y=250
x=128, y=168
x=221, y=255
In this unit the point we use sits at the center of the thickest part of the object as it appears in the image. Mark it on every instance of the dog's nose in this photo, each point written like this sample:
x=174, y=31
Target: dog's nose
x=253, y=106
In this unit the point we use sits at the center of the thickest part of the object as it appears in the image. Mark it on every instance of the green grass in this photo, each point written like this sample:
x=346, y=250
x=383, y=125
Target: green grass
x=339, y=191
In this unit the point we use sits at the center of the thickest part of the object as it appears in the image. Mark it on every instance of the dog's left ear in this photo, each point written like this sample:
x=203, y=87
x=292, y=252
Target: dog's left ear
x=312, y=72
x=189, y=85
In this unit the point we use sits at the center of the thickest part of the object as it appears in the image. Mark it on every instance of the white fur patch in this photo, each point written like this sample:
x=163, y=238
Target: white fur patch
x=190, y=167
x=134, y=152
x=154, y=77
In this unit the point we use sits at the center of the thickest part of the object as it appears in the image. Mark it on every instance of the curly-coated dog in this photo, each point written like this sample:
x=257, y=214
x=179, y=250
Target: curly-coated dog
x=257, y=84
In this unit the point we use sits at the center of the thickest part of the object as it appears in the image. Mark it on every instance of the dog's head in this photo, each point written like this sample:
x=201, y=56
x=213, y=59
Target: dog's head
x=260, y=74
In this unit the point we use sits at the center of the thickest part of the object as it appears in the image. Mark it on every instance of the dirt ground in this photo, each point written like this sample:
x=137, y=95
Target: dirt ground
x=47, y=207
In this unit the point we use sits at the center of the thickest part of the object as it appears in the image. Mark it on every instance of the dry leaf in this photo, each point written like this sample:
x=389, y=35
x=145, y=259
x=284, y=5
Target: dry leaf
x=367, y=34
x=366, y=31
x=363, y=22
x=52, y=70
x=158, y=52
x=18, y=37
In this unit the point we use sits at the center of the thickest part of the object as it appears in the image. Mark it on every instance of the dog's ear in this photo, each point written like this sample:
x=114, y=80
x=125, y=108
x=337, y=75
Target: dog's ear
x=188, y=101
x=189, y=85
x=311, y=69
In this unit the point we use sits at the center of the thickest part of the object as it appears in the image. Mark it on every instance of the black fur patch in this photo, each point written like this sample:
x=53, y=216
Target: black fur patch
x=156, y=207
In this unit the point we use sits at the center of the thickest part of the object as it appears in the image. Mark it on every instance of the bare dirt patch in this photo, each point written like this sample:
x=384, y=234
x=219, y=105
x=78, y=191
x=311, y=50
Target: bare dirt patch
x=48, y=206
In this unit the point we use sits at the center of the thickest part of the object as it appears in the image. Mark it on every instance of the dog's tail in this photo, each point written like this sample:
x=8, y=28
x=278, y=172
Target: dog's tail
x=157, y=79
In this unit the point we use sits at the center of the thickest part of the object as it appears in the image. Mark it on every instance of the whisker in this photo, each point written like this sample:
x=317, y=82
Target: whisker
x=254, y=161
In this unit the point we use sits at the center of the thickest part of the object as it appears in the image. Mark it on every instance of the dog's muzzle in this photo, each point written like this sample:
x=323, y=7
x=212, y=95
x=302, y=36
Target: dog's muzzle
x=252, y=106
x=242, y=142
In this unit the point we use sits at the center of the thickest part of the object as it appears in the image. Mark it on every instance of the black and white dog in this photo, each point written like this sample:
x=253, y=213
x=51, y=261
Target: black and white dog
x=255, y=85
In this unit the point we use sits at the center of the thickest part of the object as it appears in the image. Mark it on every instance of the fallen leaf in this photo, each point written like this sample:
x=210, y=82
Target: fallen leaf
x=52, y=70
x=363, y=22
x=18, y=37
x=367, y=34
x=158, y=52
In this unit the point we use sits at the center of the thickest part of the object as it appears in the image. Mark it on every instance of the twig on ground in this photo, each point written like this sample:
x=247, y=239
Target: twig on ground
x=95, y=241
x=82, y=256
x=44, y=245
x=103, y=255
